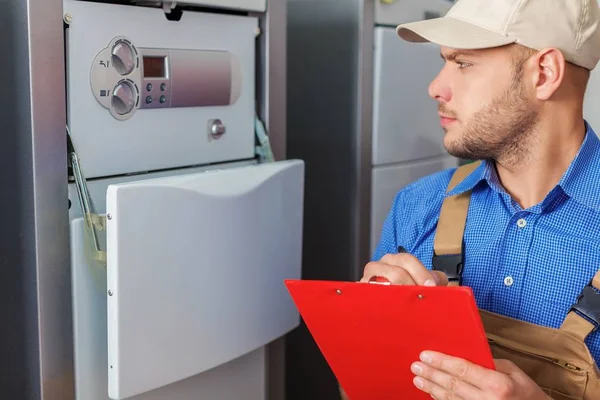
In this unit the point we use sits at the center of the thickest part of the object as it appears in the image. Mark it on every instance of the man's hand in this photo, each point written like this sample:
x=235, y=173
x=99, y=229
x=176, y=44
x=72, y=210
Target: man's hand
x=403, y=269
x=445, y=378
x=343, y=395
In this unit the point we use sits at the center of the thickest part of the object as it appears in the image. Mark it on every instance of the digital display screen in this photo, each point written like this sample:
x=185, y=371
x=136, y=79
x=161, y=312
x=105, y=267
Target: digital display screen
x=154, y=67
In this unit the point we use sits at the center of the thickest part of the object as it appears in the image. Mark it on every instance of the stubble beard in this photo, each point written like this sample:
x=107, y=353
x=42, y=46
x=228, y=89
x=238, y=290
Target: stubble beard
x=503, y=131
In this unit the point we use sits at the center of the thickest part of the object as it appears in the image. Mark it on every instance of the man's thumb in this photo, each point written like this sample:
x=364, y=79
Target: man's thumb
x=441, y=279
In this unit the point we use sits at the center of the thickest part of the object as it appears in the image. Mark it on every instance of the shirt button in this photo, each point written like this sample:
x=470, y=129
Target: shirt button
x=508, y=281
x=521, y=223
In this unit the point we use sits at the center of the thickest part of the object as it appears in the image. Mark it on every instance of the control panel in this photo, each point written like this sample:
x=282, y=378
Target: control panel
x=125, y=78
x=148, y=93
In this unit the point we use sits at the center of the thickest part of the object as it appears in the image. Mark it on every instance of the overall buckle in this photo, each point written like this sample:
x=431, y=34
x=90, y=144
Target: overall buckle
x=451, y=265
x=588, y=304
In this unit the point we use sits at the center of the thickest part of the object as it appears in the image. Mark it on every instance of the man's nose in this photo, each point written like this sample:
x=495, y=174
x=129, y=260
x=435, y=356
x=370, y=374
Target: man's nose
x=439, y=89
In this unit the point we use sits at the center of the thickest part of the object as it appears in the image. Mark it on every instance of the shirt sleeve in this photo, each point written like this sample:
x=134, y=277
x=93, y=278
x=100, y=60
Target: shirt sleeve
x=388, y=241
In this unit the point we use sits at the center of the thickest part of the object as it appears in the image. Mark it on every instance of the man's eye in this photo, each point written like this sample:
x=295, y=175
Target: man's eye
x=462, y=64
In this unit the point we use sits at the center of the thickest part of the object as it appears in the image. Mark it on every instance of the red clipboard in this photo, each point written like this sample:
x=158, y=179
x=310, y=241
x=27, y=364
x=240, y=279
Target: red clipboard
x=370, y=334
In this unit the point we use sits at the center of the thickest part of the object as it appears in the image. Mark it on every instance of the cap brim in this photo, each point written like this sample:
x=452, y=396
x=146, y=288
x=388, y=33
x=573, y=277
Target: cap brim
x=452, y=32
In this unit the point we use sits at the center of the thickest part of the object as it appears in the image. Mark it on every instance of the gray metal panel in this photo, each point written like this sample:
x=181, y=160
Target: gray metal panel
x=35, y=287
x=591, y=105
x=156, y=139
x=405, y=123
x=330, y=56
x=389, y=179
x=399, y=12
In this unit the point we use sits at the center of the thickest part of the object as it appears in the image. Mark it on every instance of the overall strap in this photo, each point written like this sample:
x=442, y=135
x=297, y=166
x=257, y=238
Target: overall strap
x=448, y=243
x=584, y=316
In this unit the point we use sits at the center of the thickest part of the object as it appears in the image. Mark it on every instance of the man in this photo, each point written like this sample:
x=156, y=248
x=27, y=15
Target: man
x=510, y=94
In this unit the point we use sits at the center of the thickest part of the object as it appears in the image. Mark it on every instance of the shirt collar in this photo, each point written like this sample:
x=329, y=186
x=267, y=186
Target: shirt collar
x=482, y=173
x=581, y=181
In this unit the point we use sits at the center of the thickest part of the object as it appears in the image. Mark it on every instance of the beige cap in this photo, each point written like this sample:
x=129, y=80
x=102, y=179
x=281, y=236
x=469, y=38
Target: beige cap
x=572, y=26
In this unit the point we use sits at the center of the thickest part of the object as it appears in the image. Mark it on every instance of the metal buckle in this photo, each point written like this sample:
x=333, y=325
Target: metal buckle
x=588, y=304
x=451, y=265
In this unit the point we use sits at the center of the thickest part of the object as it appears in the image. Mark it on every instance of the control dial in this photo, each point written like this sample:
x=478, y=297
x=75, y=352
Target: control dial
x=124, y=97
x=123, y=57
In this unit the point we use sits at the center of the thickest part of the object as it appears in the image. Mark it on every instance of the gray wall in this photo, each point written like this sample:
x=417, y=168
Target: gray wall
x=35, y=337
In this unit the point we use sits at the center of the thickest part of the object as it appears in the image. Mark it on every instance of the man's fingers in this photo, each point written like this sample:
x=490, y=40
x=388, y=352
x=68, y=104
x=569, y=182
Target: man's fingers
x=443, y=385
x=396, y=275
x=440, y=278
x=420, y=275
x=404, y=269
x=459, y=368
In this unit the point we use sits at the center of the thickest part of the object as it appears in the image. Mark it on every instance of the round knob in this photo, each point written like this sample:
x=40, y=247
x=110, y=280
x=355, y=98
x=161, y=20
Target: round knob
x=123, y=58
x=124, y=98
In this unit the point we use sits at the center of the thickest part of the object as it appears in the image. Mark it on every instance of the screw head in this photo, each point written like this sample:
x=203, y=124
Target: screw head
x=110, y=292
x=68, y=18
x=338, y=291
x=109, y=216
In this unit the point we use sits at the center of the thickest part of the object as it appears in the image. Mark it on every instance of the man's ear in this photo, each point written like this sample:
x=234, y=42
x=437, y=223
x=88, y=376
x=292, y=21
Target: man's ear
x=549, y=72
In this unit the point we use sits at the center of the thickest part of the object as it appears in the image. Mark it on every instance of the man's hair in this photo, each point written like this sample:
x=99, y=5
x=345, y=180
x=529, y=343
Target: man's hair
x=579, y=76
x=519, y=56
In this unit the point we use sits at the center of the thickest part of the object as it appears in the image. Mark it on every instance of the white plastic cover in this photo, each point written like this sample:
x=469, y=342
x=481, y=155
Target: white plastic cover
x=195, y=270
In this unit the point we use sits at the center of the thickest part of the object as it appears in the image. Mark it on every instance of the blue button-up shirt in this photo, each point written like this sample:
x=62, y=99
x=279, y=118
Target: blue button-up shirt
x=527, y=264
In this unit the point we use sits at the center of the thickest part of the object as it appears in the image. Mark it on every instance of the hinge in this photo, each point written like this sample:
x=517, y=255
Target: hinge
x=169, y=5
x=94, y=223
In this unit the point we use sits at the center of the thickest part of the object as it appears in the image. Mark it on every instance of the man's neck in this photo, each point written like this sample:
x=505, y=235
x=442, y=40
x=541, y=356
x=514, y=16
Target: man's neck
x=529, y=181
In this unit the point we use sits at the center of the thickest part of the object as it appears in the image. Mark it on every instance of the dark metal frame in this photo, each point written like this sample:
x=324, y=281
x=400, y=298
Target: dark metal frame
x=330, y=112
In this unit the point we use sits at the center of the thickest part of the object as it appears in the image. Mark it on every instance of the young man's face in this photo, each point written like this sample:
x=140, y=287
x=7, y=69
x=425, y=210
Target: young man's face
x=483, y=105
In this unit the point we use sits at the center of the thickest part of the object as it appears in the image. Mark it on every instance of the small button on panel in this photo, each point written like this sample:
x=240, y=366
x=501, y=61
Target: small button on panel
x=157, y=93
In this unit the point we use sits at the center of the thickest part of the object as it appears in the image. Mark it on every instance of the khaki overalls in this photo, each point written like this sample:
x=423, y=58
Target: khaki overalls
x=557, y=359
